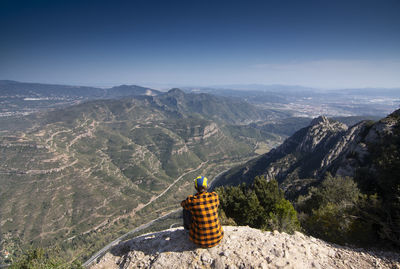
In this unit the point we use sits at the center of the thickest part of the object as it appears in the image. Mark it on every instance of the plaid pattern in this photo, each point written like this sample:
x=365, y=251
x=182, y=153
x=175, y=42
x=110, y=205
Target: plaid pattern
x=206, y=230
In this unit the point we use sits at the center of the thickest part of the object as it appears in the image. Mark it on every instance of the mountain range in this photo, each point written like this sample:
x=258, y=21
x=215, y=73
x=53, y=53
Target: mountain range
x=38, y=90
x=79, y=176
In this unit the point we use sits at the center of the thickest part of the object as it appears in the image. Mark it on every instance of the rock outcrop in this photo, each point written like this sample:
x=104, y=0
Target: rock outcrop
x=324, y=146
x=309, y=153
x=319, y=130
x=242, y=247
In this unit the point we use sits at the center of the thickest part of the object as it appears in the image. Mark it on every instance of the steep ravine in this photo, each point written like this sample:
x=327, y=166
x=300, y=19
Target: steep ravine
x=242, y=247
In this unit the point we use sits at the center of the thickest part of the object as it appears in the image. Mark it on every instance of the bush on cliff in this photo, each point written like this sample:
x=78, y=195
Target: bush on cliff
x=337, y=211
x=261, y=205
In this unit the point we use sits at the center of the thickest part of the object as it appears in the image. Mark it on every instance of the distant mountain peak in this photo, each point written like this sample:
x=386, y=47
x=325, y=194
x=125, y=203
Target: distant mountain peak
x=395, y=113
x=125, y=86
x=308, y=153
x=319, y=120
x=176, y=91
x=129, y=90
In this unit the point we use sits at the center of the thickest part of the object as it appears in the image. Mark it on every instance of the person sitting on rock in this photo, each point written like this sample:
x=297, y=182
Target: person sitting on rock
x=200, y=215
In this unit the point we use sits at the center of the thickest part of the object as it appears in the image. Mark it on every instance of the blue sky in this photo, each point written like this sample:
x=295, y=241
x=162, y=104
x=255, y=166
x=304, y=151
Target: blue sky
x=325, y=44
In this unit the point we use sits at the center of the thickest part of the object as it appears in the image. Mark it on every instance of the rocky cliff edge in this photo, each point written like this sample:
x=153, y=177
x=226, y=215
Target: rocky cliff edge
x=242, y=247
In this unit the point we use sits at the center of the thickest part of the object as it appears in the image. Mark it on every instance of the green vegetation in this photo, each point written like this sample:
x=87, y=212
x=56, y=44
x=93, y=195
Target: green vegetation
x=329, y=210
x=40, y=258
x=382, y=183
x=337, y=211
x=79, y=177
x=362, y=210
x=261, y=205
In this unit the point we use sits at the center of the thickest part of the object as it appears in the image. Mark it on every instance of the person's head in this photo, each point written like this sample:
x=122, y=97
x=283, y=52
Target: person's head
x=200, y=183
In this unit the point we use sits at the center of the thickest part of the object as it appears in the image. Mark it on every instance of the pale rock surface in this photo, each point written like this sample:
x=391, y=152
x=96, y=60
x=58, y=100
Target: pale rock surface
x=242, y=247
x=320, y=129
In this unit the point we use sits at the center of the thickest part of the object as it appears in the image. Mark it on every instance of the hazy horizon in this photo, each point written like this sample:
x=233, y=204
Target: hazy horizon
x=168, y=86
x=318, y=44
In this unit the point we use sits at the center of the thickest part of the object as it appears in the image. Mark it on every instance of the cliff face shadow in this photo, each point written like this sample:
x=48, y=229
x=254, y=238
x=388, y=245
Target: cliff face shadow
x=174, y=240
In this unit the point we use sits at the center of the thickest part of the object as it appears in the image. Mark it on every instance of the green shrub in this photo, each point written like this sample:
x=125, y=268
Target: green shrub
x=40, y=258
x=262, y=205
x=338, y=212
x=283, y=217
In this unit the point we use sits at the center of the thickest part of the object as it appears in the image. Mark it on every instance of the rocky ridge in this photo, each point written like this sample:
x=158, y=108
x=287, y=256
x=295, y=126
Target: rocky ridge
x=242, y=247
x=324, y=146
x=319, y=130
